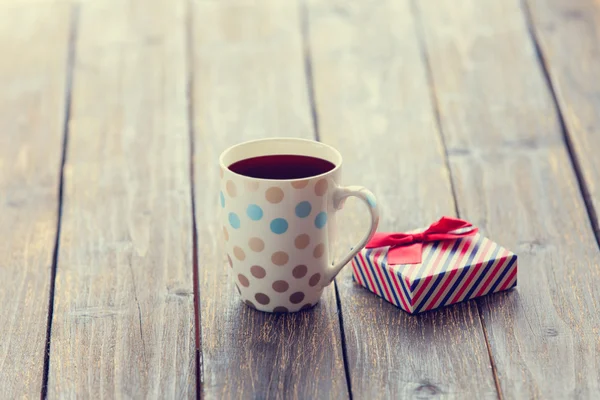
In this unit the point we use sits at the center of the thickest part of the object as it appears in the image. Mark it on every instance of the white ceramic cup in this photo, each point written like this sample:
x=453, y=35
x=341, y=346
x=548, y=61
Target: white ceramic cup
x=279, y=233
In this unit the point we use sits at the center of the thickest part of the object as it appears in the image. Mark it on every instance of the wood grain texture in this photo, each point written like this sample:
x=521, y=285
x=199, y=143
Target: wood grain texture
x=569, y=39
x=249, y=83
x=374, y=104
x=32, y=101
x=123, y=322
x=515, y=181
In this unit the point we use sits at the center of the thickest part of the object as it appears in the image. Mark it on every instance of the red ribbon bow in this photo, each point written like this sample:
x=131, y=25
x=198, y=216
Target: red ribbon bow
x=407, y=248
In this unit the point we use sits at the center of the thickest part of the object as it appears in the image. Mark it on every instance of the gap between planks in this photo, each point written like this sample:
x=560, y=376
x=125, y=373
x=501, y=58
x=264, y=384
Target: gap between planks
x=583, y=188
x=439, y=128
x=73, y=29
x=308, y=71
x=191, y=132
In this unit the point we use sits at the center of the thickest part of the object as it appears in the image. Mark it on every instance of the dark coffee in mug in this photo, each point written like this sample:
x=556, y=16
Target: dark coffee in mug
x=282, y=166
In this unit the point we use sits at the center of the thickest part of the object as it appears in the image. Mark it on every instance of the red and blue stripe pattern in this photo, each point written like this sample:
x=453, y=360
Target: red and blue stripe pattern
x=452, y=271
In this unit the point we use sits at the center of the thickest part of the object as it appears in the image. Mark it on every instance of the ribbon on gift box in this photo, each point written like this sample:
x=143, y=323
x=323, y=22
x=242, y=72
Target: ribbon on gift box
x=407, y=248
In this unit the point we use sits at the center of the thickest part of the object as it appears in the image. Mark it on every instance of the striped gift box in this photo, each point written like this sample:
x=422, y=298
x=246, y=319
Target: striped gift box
x=451, y=271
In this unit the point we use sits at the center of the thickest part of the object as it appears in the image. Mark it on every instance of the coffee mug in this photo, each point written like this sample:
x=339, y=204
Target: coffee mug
x=278, y=200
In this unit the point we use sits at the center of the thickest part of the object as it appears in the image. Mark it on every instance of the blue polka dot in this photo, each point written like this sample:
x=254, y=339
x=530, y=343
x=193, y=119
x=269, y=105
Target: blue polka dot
x=321, y=219
x=254, y=212
x=279, y=226
x=371, y=200
x=234, y=220
x=222, y=199
x=303, y=209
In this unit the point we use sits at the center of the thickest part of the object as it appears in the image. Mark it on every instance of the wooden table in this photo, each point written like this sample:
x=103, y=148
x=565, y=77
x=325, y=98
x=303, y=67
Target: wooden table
x=113, y=113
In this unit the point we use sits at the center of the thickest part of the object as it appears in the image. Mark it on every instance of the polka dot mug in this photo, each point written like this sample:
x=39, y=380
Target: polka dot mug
x=278, y=232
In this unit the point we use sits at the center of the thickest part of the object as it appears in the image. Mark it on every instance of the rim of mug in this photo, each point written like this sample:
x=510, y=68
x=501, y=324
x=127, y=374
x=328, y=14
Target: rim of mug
x=280, y=139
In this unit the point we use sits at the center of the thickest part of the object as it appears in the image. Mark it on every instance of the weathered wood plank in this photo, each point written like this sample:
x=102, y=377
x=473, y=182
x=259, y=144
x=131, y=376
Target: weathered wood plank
x=374, y=104
x=123, y=323
x=568, y=37
x=515, y=180
x=33, y=48
x=249, y=83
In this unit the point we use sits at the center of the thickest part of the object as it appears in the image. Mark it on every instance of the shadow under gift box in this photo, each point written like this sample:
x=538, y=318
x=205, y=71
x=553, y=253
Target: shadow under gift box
x=451, y=271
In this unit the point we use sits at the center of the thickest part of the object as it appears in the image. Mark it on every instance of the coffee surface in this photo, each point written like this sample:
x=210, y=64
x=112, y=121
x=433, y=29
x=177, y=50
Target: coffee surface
x=282, y=166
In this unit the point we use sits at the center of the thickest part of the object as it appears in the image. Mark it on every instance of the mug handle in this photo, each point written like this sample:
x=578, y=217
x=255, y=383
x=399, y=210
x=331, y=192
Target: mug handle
x=339, y=196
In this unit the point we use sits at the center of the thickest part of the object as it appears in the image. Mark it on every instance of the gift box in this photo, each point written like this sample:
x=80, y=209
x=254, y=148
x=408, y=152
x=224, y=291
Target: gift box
x=447, y=263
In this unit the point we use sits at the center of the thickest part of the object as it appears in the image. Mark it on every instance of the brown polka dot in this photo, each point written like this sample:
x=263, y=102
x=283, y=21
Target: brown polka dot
x=274, y=195
x=262, y=298
x=297, y=297
x=321, y=187
x=256, y=244
x=250, y=304
x=231, y=190
x=299, y=184
x=319, y=250
x=280, y=286
x=230, y=262
x=258, y=271
x=243, y=280
x=306, y=306
x=280, y=309
x=302, y=241
x=225, y=234
x=314, y=279
x=251, y=186
x=299, y=271
x=239, y=253
x=280, y=258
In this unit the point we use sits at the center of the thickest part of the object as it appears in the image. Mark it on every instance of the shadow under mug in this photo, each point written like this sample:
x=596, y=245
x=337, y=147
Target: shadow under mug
x=278, y=232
